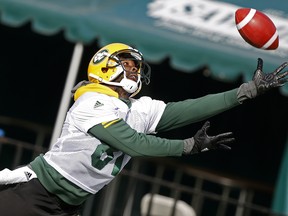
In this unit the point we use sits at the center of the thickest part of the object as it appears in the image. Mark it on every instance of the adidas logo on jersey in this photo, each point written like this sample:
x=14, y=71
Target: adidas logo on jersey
x=98, y=104
x=28, y=175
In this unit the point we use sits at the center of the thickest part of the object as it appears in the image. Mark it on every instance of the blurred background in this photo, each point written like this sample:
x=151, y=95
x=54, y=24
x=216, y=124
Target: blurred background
x=194, y=49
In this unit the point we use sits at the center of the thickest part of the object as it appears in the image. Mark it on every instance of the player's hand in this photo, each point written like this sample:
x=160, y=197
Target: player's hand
x=203, y=142
x=265, y=82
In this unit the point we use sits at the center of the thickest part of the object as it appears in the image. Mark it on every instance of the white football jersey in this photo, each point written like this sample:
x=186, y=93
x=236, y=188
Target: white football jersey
x=82, y=158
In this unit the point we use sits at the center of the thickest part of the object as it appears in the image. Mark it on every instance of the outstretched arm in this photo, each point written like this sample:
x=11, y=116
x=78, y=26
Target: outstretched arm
x=122, y=137
x=179, y=114
x=182, y=113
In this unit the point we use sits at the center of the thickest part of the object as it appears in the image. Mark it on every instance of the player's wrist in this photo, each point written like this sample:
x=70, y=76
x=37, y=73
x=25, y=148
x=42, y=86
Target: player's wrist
x=246, y=91
x=188, y=146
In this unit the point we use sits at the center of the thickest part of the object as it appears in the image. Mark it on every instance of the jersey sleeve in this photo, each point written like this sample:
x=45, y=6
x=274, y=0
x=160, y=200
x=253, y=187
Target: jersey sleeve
x=182, y=113
x=151, y=111
x=121, y=136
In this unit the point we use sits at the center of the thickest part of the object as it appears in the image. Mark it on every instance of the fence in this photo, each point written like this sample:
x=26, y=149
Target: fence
x=23, y=140
x=207, y=193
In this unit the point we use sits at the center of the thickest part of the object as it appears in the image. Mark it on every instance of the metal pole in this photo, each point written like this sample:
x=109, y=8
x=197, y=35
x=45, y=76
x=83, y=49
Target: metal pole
x=66, y=96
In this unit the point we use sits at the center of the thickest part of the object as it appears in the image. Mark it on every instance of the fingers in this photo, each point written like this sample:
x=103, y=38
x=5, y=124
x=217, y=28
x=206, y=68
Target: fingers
x=225, y=147
x=280, y=68
x=226, y=141
x=280, y=77
x=284, y=74
x=258, y=74
x=222, y=144
x=206, y=126
x=260, y=64
x=283, y=81
x=223, y=136
x=222, y=139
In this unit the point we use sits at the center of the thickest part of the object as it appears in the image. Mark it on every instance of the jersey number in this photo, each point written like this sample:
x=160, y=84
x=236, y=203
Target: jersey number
x=103, y=155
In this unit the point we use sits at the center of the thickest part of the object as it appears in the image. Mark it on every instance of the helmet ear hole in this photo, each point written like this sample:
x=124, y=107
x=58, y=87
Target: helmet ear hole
x=104, y=70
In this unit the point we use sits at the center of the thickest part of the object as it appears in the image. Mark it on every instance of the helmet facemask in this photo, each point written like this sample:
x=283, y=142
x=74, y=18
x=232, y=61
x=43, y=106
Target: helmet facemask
x=143, y=70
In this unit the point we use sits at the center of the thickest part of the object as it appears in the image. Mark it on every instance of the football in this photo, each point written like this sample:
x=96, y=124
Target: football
x=256, y=28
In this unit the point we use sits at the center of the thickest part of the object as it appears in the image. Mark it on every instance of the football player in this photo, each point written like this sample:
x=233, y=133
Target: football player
x=106, y=126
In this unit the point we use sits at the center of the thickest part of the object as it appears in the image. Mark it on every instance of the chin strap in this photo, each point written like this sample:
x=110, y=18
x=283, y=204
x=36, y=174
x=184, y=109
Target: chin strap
x=137, y=91
x=128, y=85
